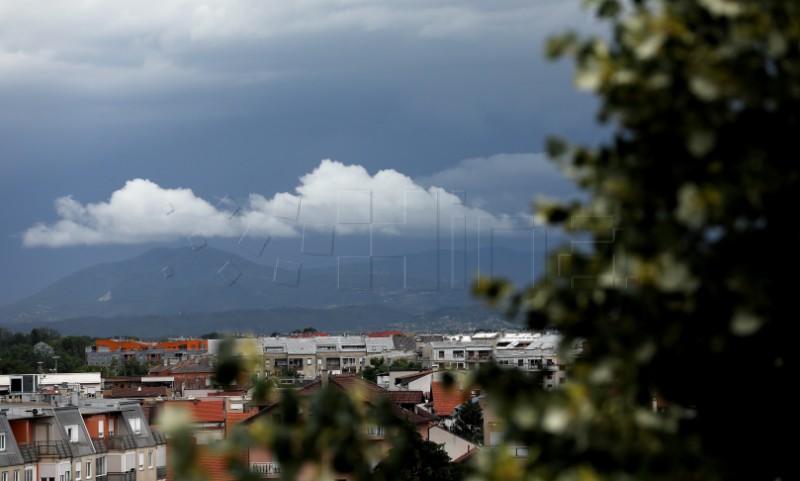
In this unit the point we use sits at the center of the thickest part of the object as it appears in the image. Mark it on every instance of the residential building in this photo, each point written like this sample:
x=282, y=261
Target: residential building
x=461, y=354
x=109, y=352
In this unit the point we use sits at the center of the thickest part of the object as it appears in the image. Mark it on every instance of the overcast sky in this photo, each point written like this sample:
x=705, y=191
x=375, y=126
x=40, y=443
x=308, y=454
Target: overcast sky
x=129, y=124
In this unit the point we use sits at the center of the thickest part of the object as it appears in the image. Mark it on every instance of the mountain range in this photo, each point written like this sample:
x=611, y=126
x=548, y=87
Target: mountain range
x=187, y=291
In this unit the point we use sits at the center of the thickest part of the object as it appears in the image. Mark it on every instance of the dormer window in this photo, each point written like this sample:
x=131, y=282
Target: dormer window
x=136, y=425
x=72, y=433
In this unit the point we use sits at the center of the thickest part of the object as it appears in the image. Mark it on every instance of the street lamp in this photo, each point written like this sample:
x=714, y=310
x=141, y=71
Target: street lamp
x=40, y=366
x=56, y=358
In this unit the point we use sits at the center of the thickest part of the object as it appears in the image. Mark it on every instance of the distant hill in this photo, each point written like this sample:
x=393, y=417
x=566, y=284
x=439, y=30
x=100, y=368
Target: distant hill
x=346, y=319
x=211, y=287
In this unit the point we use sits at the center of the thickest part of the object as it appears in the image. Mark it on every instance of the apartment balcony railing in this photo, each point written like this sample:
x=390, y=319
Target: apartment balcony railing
x=161, y=472
x=375, y=431
x=266, y=469
x=479, y=356
x=124, y=476
x=100, y=445
x=121, y=442
x=159, y=437
x=102, y=477
x=49, y=448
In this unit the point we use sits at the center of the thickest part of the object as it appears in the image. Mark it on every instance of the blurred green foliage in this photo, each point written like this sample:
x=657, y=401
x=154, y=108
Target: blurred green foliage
x=686, y=296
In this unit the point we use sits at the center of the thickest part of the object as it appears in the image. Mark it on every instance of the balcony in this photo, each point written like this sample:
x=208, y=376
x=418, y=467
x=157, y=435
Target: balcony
x=160, y=437
x=48, y=448
x=373, y=431
x=123, y=442
x=100, y=445
x=269, y=470
x=161, y=472
x=479, y=356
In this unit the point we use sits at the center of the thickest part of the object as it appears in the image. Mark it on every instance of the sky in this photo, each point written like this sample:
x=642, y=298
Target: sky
x=126, y=125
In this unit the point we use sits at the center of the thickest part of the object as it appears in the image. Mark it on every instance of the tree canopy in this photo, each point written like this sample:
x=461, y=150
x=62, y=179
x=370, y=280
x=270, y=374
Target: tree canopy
x=683, y=297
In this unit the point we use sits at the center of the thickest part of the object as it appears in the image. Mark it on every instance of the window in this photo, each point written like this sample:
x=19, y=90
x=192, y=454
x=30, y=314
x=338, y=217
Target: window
x=28, y=474
x=101, y=428
x=101, y=466
x=88, y=469
x=2, y=441
x=72, y=433
x=111, y=427
x=136, y=425
x=68, y=475
x=441, y=354
x=77, y=471
x=150, y=459
x=458, y=354
x=141, y=461
x=16, y=475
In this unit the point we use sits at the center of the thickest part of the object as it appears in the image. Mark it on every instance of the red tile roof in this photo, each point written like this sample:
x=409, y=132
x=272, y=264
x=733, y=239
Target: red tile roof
x=445, y=401
x=214, y=466
x=344, y=382
x=406, y=397
x=234, y=419
x=208, y=410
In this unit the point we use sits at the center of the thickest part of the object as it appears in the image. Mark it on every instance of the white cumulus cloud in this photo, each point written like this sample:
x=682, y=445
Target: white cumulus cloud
x=345, y=197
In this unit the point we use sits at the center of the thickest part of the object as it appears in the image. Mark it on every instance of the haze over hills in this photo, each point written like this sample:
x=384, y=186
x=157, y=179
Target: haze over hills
x=169, y=291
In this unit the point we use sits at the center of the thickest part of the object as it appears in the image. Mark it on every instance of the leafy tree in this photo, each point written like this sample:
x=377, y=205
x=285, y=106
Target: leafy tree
x=684, y=294
x=377, y=366
x=43, y=334
x=418, y=459
x=43, y=351
x=404, y=365
x=134, y=368
x=469, y=422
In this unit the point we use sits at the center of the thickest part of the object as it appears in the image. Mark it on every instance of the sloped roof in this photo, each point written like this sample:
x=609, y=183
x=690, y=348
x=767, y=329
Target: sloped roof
x=207, y=410
x=412, y=417
x=404, y=343
x=234, y=419
x=413, y=376
x=344, y=382
x=445, y=401
x=465, y=456
x=406, y=397
x=192, y=367
x=349, y=382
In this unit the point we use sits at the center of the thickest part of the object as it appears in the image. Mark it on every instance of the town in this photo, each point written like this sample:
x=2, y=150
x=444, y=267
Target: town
x=78, y=426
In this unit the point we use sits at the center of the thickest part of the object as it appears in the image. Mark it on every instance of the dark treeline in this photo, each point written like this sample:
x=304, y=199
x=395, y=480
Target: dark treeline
x=37, y=351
